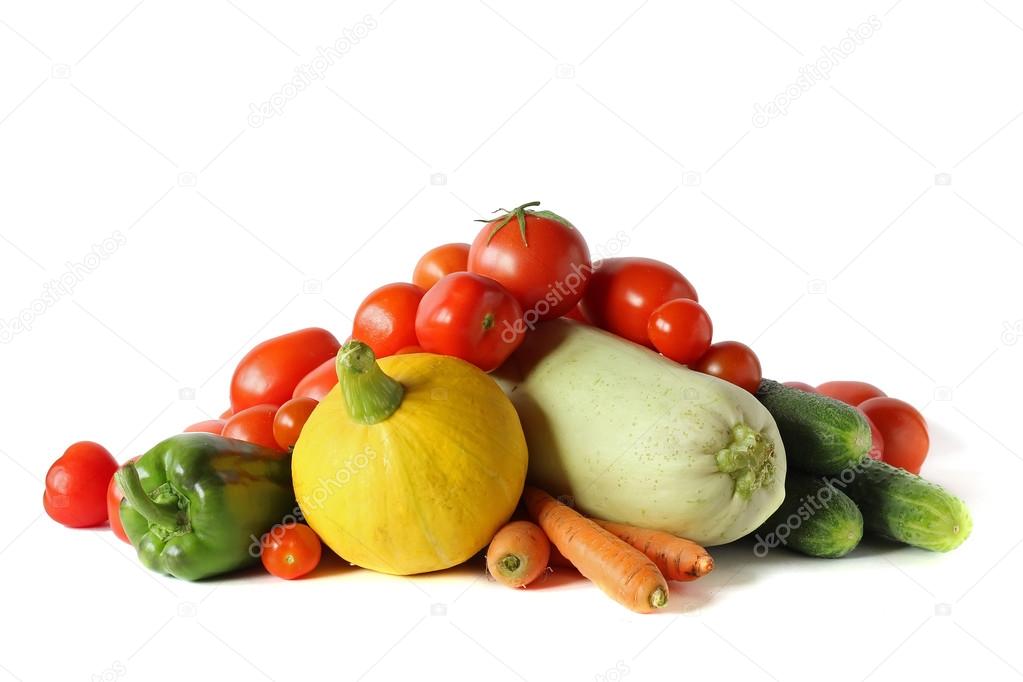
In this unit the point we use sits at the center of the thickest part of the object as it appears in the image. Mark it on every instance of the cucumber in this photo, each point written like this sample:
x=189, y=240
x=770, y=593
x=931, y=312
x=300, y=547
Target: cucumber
x=903, y=507
x=821, y=435
x=816, y=519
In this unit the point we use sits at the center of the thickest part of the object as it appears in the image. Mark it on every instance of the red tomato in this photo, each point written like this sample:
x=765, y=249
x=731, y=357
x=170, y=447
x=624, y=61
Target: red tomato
x=318, y=382
x=850, y=392
x=290, y=419
x=470, y=317
x=386, y=319
x=269, y=372
x=876, y=439
x=114, y=496
x=439, y=262
x=904, y=431
x=76, y=485
x=409, y=350
x=291, y=551
x=538, y=256
x=734, y=362
x=576, y=314
x=227, y=413
x=681, y=330
x=253, y=425
x=215, y=426
x=623, y=293
x=801, y=386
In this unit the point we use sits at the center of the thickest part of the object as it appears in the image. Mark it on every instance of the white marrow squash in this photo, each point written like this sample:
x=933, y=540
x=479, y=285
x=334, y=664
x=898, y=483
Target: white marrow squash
x=635, y=438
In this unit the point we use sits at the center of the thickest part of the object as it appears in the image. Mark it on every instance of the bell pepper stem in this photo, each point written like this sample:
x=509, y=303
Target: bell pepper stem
x=157, y=514
x=370, y=395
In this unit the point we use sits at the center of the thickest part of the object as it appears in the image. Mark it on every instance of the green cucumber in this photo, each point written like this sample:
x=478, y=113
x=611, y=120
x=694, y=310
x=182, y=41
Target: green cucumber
x=901, y=506
x=816, y=519
x=821, y=435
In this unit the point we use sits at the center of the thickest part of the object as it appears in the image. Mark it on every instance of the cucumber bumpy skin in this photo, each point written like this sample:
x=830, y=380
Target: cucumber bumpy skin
x=816, y=519
x=903, y=507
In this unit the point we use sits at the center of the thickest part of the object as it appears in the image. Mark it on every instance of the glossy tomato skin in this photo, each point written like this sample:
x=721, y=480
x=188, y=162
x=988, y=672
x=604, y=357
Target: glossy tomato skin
x=439, y=262
x=318, y=382
x=576, y=314
x=850, y=392
x=547, y=271
x=114, y=496
x=290, y=419
x=734, y=362
x=271, y=370
x=623, y=293
x=470, y=317
x=904, y=430
x=681, y=330
x=386, y=319
x=214, y=426
x=291, y=551
x=76, y=485
x=253, y=425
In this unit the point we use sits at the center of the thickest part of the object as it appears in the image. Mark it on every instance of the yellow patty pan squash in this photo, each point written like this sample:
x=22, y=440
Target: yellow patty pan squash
x=409, y=464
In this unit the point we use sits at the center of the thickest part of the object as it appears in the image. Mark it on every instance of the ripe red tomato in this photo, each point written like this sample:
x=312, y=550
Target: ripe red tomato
x=850, y=392
x=318, y=382
x=76, y=485
x=386, y=319
x=904, y=430
x=470, y=317
x=227, y=413
x=439, y=262
x=876, y=439
x=269, y=372
x=623, y=293
x=215, y=426
x=734, y=362
x=253, y=425
x=114, y=496
x=409, y=350
x=576, y=314
x=681, y=330
x=801, y=386
x=538, y=256
x=291, y=551
x=290, y=419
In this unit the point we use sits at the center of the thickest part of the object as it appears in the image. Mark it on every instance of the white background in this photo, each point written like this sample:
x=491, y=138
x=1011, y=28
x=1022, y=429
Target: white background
x=873, y=231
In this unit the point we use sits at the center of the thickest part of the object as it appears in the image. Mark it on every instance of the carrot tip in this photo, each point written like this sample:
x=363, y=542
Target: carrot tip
x=704, y=565
x=659, y=598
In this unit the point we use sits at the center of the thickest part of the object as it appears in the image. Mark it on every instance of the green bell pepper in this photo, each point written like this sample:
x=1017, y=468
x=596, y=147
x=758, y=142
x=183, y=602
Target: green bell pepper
x=196, y=504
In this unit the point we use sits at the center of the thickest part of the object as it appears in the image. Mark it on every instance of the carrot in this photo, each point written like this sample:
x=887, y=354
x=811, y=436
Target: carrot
x=518, y=554
x=623, y=572
x=678, y=558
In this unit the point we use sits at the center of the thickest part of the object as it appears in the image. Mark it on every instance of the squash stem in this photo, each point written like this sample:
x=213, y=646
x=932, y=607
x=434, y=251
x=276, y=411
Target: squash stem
x=370, y=395
x=748, y=459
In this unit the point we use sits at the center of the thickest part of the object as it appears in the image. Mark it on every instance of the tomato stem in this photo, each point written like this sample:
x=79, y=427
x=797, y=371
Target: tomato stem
x=519, y=213
x=370, y=395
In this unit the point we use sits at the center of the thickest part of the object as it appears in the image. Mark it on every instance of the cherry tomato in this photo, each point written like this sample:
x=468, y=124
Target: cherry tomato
x=538, y=256
x=623, y=293
x=439, y=262
x=290, y=419
x=386, y=319
x=681, y=330
x=734, y=362
x=876, y=439
x=904, y=430
x=801, y=386
x=227, y=413
x=215, y=426
x=76, y=485
x=850, y=392
x=470, y=317
x=114, y=496
x=291, y=551
x=269, y=372
x=576, y=314
x=317, y=383
x=253, y=425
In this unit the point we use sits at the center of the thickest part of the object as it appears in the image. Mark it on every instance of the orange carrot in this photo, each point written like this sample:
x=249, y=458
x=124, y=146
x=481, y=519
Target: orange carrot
x=518, y=554
x=558, y=559
x=623, y=572
x=678, y=558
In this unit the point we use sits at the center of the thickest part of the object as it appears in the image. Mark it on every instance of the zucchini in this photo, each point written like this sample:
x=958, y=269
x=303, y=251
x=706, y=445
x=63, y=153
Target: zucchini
x=901, y=506
x=816, y=519
x=821, y=435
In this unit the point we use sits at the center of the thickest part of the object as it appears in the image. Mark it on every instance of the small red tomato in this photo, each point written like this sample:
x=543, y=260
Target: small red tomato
x=904, y=430
x=681, y=330
x=440, y=262
x=386, y=319
x=290, y=419
x=317, y=383
x=801, y=386
x=876, y=439
x=253, y=425
x=623, y=292
x=576, y=314
x=470, y=317
x=76, y=485
x=269, y=372
x=114, y=496
x=227, y=413
x=291, y=551
x=734, y=362
x=538, y=256
x=850, y=392
x=215, y=426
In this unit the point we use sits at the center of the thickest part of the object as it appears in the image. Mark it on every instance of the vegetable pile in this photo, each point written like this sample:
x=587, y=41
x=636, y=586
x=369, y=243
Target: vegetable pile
x=516, y=398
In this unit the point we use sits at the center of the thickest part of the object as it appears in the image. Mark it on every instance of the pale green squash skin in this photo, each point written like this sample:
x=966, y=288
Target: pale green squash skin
x=634, y=437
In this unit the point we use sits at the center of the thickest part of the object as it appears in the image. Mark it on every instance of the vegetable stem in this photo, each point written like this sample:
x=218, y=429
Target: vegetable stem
x=165, y=516
x=748, y=459
x=370, y=395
